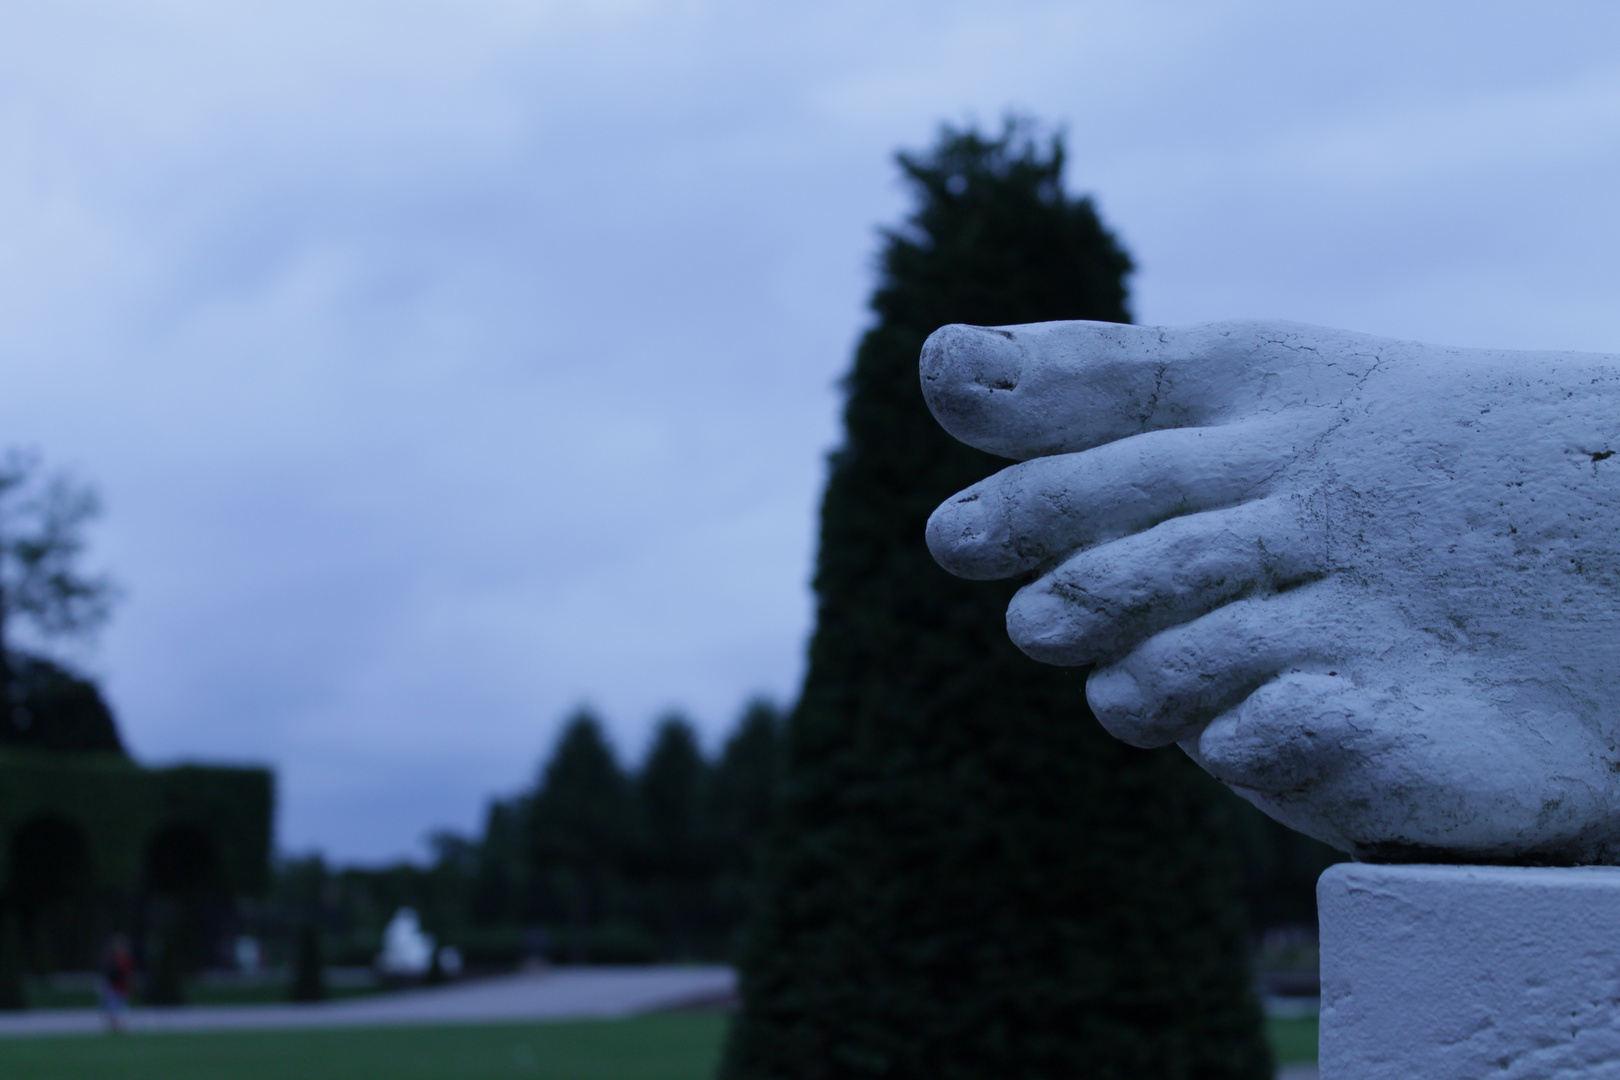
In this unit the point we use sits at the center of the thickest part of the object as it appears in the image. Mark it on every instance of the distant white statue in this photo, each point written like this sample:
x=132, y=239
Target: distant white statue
x=407, y=951
x=1372, y=585
x=249, y=955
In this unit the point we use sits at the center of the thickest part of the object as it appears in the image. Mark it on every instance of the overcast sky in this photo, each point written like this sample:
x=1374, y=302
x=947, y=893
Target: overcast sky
x=444, y=365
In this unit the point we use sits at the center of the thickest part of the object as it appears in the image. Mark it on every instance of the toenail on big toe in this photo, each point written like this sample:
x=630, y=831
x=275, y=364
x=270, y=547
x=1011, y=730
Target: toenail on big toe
x=959, y=357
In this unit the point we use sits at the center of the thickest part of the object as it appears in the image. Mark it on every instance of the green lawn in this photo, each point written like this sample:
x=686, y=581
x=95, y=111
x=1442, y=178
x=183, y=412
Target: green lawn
x=671, y=1046
x=42, y=996
x=1293, y=1039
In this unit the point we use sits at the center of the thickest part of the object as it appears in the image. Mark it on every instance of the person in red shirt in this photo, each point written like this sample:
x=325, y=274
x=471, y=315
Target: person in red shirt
x=117, y=980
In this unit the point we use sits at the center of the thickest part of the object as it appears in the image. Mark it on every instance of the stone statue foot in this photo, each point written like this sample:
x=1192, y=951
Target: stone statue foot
x=1372, y=585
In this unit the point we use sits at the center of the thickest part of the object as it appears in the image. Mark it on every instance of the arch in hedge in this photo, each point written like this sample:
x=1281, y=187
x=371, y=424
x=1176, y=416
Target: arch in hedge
x=182, y=859
x=189, y=819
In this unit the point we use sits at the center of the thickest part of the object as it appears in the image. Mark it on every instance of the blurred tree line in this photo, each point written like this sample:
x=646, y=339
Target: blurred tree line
x=596, y=863
x=600, y=863
x=607, y=864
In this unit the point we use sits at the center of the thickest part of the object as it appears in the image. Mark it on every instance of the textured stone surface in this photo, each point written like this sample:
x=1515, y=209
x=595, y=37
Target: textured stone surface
x=1373, y=585
x=1469, y=972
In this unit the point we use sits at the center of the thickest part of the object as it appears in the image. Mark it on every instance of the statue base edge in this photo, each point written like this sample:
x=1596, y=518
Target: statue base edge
x=1467, y=972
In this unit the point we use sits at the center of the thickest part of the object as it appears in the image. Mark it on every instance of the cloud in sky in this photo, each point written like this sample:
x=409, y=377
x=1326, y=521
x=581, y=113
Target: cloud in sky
x=444, y=365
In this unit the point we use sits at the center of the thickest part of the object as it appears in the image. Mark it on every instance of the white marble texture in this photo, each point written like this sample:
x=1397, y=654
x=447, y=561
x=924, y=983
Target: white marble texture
x=1467, y=972
x=1373, y=585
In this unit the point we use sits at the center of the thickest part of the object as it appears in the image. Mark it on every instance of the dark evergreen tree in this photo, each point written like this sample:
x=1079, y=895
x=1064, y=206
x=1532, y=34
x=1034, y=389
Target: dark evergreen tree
x=968, y=877
x=447, y=886
x=13, y=989
x=309, y=966
x=670, y=790
x=436, y=975
x=742, y=792
x=579, y=831
x=171, y=956
x=497, y=885
x=1278, y=868
x=674, y=851
x=743, y=789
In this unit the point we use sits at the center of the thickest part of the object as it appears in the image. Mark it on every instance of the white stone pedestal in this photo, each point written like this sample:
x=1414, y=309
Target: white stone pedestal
x=1470, y=972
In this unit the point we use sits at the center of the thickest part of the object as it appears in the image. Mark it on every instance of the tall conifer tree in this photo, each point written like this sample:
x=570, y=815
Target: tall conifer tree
x=673, y=861
x=969, y=878
x=579, y=830
x=741, y=794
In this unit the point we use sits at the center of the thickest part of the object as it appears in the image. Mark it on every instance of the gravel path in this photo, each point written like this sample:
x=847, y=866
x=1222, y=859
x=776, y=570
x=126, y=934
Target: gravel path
x=574, y=993
x=559, y=994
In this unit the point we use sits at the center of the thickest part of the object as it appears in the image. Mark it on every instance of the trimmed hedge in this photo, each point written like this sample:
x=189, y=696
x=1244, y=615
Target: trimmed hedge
x=122, y=807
